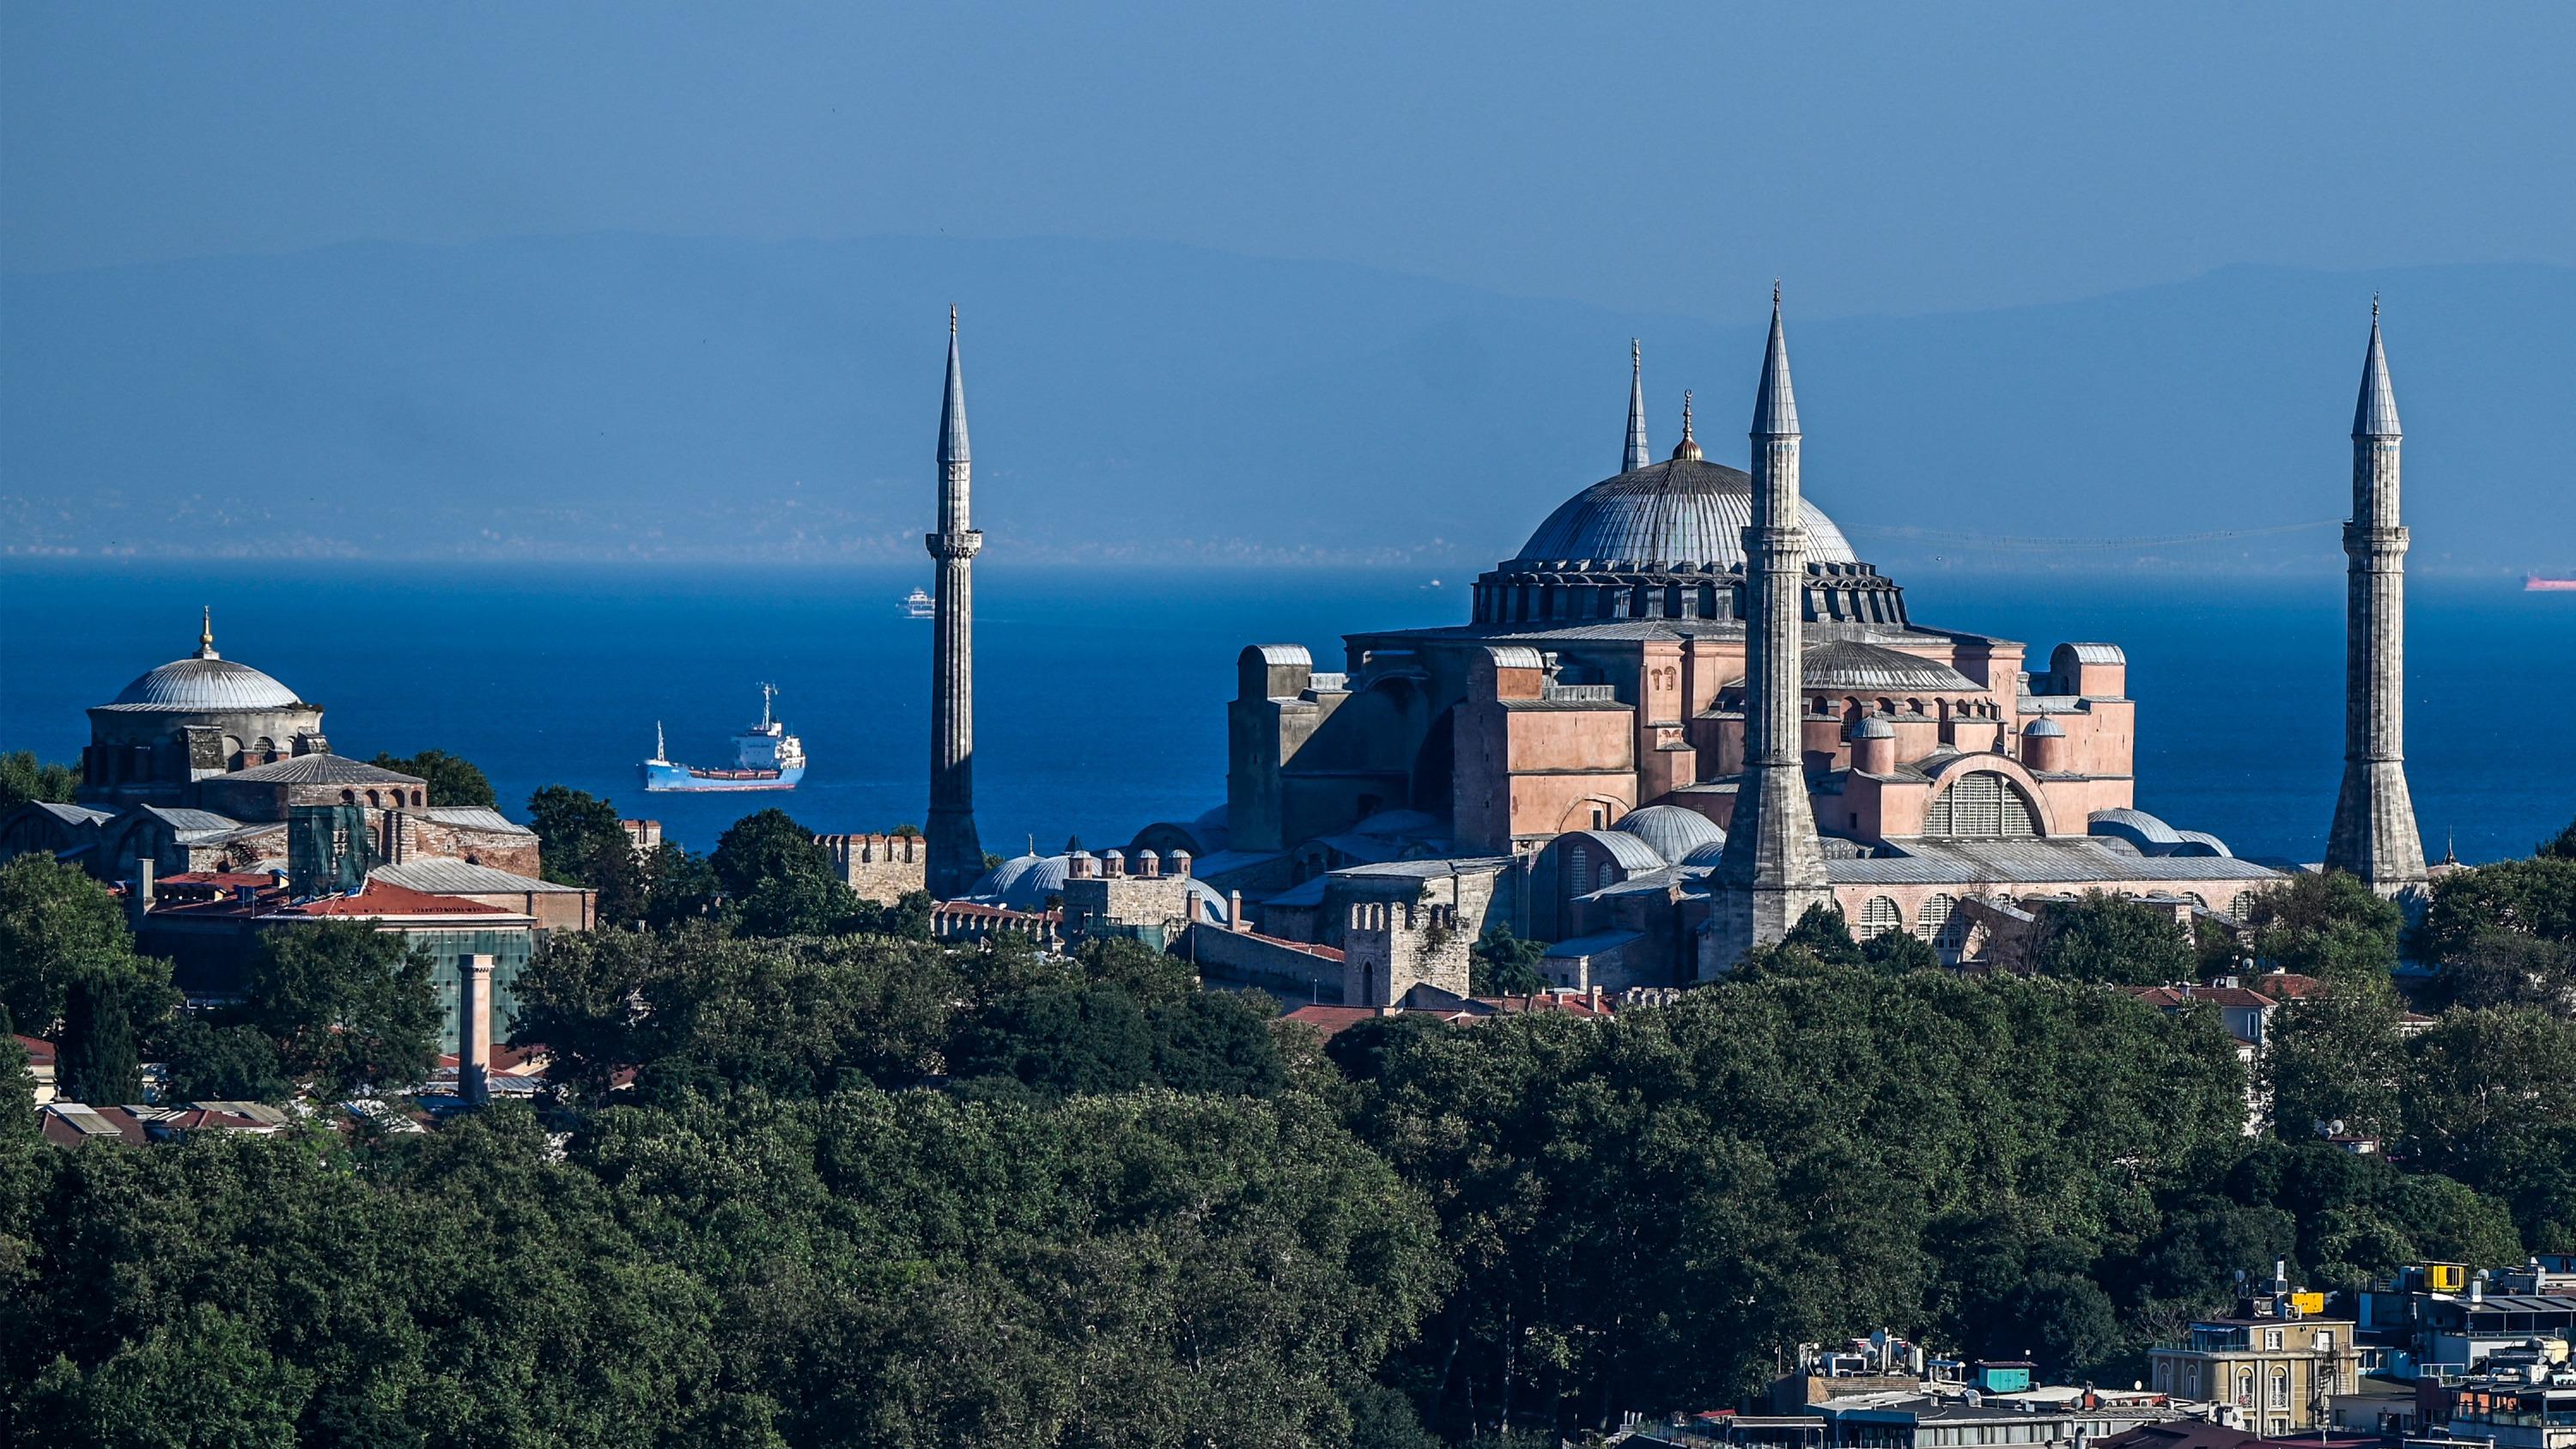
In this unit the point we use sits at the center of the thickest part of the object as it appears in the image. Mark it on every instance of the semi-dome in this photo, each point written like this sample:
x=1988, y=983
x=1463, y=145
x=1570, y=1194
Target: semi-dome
x=1682, y=513
x=1832, y=664
x=1671, y=830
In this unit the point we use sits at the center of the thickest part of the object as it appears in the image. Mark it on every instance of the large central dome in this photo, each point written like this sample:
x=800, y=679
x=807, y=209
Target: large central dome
x=1681, y=513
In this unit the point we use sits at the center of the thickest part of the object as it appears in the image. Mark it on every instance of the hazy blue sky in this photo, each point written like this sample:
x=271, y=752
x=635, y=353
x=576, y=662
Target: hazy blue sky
x=1893, y=158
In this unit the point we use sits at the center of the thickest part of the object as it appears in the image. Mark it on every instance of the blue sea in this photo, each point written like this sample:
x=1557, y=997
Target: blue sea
x=1100, y=693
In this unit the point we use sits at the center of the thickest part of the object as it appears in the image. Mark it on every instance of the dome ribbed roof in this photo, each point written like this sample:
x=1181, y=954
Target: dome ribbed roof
x=1681, y=512
x=1671, y=830
x=204, y=685
x=1022, y=883
x=1850, y=664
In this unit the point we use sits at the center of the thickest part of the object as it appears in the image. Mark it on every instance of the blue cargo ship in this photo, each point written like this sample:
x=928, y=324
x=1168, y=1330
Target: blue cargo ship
x=766, y=757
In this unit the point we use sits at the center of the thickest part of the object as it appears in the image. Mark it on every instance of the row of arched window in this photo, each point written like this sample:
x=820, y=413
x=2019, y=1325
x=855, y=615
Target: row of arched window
x=386, y=799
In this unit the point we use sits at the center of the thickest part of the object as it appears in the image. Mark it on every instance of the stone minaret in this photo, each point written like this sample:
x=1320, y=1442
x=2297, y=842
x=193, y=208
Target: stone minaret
x=1772, y=869
x=956, y=855
x=1636, y=456
x=2374, y=834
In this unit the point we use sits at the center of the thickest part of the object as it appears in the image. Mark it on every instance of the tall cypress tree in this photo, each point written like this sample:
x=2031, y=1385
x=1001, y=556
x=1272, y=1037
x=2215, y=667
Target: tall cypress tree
x=98, y=1063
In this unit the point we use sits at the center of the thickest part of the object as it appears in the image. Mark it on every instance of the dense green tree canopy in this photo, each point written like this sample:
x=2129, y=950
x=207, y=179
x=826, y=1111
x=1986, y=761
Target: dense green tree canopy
x=25, y=780
x=452, y=781
x=763, y=846
x=1503, y=964
x=2328, y=925
x=2504, y=935
x=347, y=1006
x=2107, y=938
x=56, y=925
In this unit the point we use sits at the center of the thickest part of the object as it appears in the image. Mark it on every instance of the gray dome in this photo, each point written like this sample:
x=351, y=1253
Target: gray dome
x=1671, y=830
x=1680, y=512
x=204, y=685
x=1021, y=883
x=1872, y=727
x=2044, y=729
x=1707, y=856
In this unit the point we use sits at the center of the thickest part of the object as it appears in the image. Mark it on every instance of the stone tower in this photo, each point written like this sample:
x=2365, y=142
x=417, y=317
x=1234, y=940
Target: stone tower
x=1772, y=869
x=2374, y=834
x=1637, y=456
x=956, y=855
x=1390, y=947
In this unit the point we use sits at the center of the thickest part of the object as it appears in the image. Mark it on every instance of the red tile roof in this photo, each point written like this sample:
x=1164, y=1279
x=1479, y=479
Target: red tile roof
x=384, y=898
x=1331, y=1019
x=1326, y=953
x=40, y=1052
x=2288, y=986
x=223, y=879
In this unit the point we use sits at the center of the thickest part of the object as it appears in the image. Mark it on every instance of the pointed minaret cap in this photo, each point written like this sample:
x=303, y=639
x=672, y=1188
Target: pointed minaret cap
x=206, y=636
x=952, y=404
x=1775, y=407
x=1688, y=447
x=1637, y=456
x=2374, y=415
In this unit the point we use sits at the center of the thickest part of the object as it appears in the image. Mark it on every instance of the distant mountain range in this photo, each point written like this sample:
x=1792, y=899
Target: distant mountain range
x=636, y=397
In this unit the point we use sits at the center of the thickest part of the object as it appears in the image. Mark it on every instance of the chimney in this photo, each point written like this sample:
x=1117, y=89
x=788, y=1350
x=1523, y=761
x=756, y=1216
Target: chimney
x=139, y=903
x=474, y=1029
x=1112, y=864
x=1148, y=864
x=1234, y=912
x=1179, y=862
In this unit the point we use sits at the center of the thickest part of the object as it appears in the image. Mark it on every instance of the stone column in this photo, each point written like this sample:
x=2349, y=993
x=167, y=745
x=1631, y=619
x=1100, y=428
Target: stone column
x=956, y=854
x=1772, y=869
x=474, y=1029
x=2374, y=835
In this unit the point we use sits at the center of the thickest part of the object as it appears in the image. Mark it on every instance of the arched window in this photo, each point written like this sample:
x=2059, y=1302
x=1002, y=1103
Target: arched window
x=348, y=797
x=1608, y=877
x=1878, y=916
x=1936, y=914
x=2242, y=906
x=420, y=799
x=1982, y=805
x=372, y=800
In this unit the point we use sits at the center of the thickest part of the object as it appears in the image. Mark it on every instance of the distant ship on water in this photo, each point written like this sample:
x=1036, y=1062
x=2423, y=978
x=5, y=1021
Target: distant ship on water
x=2544, y=584
x=919, y=604
x=766, y=757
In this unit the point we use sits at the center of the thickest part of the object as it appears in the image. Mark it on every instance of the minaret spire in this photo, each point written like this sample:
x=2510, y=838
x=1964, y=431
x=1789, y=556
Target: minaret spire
x=956, y=855
x=1637, y=455
x=2374, y=834
x=1772, y=868
x=1688, y=447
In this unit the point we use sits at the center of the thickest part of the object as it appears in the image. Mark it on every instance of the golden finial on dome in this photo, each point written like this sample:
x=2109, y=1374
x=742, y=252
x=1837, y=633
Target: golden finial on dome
x=206, y=636
x=1688, y=447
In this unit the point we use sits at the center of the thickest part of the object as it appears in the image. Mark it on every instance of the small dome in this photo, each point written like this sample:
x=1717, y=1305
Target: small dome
x=1672, y=831
x=204, y=686
x=1873, y=727
x=1707, y=856
x=2044, y=729
x=1021, y=883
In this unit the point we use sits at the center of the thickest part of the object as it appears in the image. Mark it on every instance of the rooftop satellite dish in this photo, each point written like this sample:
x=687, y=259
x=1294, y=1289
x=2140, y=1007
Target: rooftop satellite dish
x=2336, y=1127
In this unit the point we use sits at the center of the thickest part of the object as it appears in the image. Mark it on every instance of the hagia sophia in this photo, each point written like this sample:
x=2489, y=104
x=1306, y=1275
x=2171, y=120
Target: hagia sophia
x=1611, y=755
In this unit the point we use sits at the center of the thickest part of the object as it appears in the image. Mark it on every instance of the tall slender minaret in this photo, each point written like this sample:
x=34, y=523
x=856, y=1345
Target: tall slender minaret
x=956, y=855
x=1772, y=869
x=2374, y=834
x=1637, y=456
